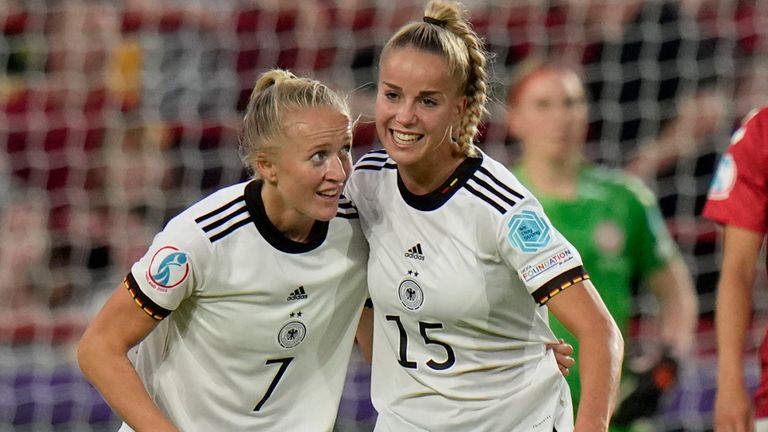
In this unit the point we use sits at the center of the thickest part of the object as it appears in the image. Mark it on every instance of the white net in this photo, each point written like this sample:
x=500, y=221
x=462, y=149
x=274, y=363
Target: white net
x=115, y=115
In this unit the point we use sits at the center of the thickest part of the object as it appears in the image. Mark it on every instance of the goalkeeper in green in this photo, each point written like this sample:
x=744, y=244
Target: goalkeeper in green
x=609, y=216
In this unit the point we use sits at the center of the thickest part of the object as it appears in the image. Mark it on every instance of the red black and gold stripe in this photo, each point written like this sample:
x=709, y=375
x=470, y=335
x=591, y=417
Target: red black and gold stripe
x=559, y=283
x=145, y=303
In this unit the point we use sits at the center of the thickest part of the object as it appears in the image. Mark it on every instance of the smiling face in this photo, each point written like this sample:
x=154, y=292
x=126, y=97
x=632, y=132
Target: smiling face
x=306, y=172
x=417, y=107
x=549, y=114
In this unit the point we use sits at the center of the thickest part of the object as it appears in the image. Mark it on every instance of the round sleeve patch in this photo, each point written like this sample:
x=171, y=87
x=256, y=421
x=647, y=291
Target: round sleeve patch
x=724, y=179
x=169, y=268
x=528, y=232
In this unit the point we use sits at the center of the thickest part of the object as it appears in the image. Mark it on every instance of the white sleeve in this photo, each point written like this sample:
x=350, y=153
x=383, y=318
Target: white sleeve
x=173, y=268
x=544, y=260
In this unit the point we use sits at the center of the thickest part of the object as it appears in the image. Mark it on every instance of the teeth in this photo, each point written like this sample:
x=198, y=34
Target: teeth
x=406, y=138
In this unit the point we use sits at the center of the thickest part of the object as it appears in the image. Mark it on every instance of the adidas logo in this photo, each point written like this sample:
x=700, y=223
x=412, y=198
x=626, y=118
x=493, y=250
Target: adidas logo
x=415, y=252
x=298, y=294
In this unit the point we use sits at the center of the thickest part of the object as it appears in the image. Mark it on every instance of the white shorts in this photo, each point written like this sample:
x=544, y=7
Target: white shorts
x=761, y=425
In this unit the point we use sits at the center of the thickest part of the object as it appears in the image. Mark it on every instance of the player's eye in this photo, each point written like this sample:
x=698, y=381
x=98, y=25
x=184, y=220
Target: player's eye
x=390, y=95
x=319, y=157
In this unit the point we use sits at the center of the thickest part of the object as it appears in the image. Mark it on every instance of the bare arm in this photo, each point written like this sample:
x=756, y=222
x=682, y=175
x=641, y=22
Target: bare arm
x=673, y=287
x=102, y=355
x=733, y=407
x=601, y=349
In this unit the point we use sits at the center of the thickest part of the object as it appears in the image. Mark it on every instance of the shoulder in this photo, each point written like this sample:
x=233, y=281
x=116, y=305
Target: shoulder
x=217, y=213
x=753, y=129
x=369, y=168
x=375, y=160
x=495, y=187
x=620, y=184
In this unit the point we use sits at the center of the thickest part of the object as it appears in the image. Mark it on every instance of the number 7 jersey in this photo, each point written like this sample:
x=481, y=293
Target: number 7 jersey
x=457, y=278
x=257, y=329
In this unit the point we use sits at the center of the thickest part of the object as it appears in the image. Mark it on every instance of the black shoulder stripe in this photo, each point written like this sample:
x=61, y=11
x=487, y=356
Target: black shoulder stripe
x=145, y=303
x=346, y=203
x=493, y=190
x=373, y=158
x=500, y=184
x=373, y=167
x=225, y=219
x=485, y=198
x=559, y=283
x=347, y=209
x=230, y=229
x=220, y=209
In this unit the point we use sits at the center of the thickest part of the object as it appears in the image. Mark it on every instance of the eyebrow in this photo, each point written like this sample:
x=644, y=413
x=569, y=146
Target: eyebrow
x=421, y=93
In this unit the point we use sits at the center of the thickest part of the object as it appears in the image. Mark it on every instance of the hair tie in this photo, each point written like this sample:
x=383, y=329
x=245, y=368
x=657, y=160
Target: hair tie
x=435, y=21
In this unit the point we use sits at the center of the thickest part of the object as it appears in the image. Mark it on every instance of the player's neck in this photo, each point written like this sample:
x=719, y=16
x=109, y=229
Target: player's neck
x=291, y=224
x=426, y=176
x=554, y=178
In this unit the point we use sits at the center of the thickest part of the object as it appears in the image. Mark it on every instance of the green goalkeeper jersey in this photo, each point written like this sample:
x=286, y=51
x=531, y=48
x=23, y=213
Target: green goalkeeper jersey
x=615, y=224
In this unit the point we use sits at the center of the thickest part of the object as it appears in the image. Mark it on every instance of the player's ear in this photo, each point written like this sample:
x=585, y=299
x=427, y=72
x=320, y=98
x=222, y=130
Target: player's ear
x=266, y=170
x=461, y=106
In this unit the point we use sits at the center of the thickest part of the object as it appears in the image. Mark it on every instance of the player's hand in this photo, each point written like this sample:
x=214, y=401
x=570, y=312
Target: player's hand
x=563, y=353
x=733, y=409
x=643, y=401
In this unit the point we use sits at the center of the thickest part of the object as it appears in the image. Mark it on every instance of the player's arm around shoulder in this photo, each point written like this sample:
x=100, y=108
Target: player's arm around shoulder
x=102, y=356
x=601, y=351
x=364, y=335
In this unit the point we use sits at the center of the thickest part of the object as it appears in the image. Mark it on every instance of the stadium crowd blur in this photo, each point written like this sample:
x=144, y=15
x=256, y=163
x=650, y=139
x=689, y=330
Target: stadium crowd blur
x=114, y=115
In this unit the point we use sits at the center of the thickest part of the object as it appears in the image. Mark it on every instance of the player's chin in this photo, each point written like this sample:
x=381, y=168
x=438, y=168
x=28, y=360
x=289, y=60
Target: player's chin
x=326, y=209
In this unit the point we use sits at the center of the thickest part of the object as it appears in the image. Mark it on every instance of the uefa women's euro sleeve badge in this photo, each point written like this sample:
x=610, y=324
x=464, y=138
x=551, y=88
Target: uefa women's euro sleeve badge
x=528, y=231
x=168, y=269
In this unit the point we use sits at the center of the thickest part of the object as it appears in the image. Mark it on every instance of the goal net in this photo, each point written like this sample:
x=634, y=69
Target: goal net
x=116, y=115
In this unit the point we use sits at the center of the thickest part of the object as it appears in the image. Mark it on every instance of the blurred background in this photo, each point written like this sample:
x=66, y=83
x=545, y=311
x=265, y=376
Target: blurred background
x=116, y=115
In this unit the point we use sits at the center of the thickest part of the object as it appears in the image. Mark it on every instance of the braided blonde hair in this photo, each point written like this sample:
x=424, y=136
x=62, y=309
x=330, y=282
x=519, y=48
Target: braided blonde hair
x=449, y=34
x=275, y=92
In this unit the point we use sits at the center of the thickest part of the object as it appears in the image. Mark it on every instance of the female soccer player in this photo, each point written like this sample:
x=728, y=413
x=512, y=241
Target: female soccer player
x=246, y=304
x=619, y=231
x=463, y=259
x=738, y=199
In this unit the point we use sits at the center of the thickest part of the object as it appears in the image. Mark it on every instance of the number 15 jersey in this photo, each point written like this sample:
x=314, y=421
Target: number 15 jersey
x=457, y=278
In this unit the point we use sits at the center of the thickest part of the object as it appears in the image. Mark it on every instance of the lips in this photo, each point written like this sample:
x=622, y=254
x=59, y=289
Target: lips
x=329, y=194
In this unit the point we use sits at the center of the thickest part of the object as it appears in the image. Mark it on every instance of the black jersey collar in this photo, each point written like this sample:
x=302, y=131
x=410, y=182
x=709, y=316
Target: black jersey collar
x=270, y=233
x=435, y=199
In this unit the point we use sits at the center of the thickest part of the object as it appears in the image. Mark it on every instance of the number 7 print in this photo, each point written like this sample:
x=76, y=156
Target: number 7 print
x=284, y=362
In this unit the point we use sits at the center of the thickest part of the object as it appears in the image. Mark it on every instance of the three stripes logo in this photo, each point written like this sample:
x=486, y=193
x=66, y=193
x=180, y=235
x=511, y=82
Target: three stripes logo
x=298, y=294
x=415, y=252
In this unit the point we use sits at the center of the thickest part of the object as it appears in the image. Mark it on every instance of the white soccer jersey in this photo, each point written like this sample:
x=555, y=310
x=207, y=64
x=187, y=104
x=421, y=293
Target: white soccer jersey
x=259, y=328
x=456, y=278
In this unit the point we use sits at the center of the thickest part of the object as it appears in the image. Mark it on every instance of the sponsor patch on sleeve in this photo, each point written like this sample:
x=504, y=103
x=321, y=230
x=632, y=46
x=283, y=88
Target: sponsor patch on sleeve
x=168, y=269
x=528, y=231
x=724, y=179
x=531, y=272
